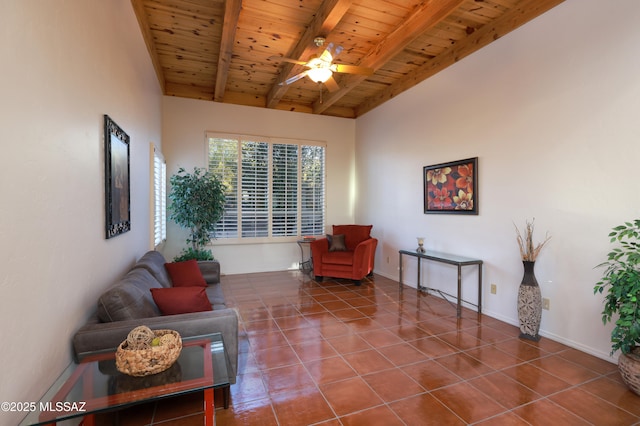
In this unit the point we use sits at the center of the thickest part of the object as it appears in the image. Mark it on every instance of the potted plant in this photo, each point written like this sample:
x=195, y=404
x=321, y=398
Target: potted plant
x=196, y=203
x=621, y=281
x=529, y=295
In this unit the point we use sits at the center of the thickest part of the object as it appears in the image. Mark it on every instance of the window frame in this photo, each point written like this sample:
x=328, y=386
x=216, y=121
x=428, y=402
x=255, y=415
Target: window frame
x=271, y=141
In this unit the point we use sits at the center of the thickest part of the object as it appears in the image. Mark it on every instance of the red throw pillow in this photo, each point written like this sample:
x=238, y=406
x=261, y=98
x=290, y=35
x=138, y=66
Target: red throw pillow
x=181, y=300
x=185, y=274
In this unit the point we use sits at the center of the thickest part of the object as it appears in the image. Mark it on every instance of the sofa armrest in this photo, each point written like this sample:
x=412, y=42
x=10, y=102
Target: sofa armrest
x=107, y=336
x=210, y=270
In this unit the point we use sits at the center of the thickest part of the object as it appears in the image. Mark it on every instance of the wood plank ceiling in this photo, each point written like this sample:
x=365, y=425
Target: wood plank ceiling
x=223, y=50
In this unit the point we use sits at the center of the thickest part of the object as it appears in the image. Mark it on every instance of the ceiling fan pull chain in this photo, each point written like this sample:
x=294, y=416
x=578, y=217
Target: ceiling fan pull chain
x=320, y=87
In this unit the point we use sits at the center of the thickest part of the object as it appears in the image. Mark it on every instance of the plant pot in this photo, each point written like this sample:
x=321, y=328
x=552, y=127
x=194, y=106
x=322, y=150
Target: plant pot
x=629, y=366
x=529, y=304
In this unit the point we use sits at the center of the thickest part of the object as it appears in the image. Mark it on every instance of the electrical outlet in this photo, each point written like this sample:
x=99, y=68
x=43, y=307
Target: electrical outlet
x=545, y=303
x=494, y=289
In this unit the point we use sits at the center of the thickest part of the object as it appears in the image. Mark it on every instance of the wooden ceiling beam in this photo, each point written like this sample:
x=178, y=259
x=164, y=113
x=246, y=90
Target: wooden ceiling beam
x=143, y=22
x=426, y=15
x=230, y=23
x=326, y=19
x=508, y=22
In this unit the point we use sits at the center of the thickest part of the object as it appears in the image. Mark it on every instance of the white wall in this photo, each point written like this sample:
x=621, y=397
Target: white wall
x=551, y=112
x=185, y=122
x=65, y=65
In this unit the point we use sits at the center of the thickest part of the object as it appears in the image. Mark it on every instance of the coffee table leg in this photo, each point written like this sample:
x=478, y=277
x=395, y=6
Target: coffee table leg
x=209, y=409
x=226, y=396
x=88, y=420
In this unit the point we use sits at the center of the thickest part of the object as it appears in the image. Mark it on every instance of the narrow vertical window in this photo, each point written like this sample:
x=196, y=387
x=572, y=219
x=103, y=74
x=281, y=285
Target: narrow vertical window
x=159, y=198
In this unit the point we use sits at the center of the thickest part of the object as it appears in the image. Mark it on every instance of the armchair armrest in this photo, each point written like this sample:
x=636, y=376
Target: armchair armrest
x=363, y=255
x=318, y=247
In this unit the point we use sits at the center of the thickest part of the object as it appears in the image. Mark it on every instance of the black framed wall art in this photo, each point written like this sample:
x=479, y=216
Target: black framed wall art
x=451, y=187
x=117, y=198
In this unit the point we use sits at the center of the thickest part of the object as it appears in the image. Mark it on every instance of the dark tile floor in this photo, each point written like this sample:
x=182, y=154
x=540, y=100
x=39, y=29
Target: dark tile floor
x=334, y=354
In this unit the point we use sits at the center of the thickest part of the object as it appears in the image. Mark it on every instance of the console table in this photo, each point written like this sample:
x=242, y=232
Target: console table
x=450, y=259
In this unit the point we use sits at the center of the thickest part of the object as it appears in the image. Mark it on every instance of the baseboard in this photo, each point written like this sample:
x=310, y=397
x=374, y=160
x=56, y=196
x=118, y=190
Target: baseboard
x=543, y=333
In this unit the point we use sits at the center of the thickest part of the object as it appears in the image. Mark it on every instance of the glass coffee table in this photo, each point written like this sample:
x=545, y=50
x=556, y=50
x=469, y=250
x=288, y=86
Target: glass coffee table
x=95, y=385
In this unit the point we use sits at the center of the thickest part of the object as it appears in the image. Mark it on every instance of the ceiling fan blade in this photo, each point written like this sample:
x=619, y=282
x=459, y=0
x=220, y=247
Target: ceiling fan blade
x=327, y=56
x=332, y=85
x=291, y=60
x=337, y=51
x=351, y=69
x=295, y=78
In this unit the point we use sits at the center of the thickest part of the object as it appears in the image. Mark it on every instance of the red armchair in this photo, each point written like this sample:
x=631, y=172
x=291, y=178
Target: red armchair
x=352, y=260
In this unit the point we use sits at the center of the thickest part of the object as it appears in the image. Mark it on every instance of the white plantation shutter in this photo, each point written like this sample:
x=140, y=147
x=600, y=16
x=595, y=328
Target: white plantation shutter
x=312, y=190
x=255, y=189
x=274, y=189
x=159, y=197
x=285, y=190
x=223, y=162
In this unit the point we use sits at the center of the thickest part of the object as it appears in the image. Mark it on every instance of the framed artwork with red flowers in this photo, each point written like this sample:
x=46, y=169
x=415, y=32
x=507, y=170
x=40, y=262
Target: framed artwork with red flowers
x=451, y=187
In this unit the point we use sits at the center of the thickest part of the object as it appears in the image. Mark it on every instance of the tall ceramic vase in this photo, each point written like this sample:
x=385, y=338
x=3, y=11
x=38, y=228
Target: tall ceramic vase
x=529, y=304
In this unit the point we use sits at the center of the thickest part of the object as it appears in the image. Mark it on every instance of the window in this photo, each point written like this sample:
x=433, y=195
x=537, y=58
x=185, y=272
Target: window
x=159, y=197
x=274, y=188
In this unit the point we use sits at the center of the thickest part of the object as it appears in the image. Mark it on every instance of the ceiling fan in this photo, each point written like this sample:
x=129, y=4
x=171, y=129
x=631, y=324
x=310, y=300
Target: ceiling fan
x=321, y=68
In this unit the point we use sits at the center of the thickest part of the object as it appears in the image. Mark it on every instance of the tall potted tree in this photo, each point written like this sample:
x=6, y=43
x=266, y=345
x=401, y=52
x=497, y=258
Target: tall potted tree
x=621, y=281
x=196, y=203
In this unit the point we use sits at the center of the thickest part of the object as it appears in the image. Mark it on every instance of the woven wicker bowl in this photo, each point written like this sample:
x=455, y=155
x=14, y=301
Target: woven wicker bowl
x=629, y=366
x=144, y=362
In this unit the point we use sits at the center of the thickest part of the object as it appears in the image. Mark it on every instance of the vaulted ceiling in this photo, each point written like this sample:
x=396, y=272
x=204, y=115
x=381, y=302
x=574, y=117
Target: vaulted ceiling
x=229, y=50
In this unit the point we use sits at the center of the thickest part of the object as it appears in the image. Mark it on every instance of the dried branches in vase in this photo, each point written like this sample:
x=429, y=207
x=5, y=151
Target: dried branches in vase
x=528, y=251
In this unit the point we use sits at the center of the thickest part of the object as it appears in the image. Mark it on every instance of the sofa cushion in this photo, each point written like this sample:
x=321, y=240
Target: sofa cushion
x=336, y=242
x=338, y=258
x=130, y=298
x=181, y=300
x=185, y=274
x=153, y=262
x=353, y=234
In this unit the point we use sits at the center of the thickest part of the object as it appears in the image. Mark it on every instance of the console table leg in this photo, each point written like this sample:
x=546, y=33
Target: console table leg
x=400, y=271
x=480, y=288
x=459, y=307
x=419, y=283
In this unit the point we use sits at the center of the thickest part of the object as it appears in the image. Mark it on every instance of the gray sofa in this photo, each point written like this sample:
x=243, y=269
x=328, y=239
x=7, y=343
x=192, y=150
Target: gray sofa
x=128, y=304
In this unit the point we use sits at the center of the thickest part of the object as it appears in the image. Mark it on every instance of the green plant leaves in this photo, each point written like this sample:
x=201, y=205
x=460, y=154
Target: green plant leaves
x=196, y=203
x=191, y=254
x=621, y=280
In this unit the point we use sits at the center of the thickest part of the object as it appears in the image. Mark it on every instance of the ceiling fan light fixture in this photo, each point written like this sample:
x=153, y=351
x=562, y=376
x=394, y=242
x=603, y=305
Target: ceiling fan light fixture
x=319, y=75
